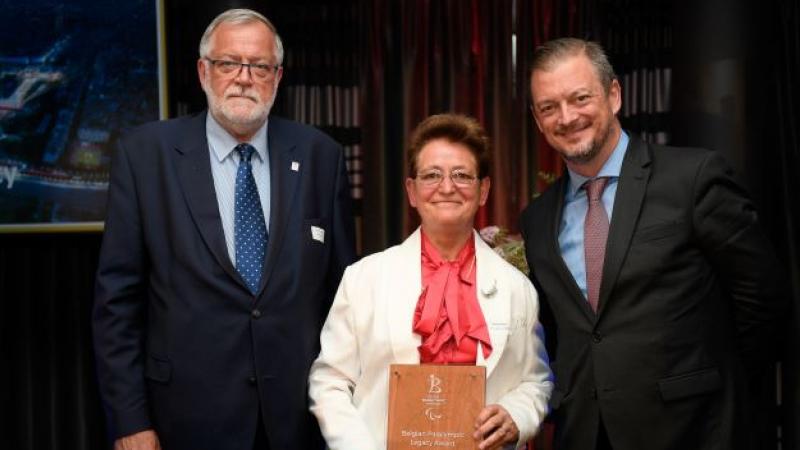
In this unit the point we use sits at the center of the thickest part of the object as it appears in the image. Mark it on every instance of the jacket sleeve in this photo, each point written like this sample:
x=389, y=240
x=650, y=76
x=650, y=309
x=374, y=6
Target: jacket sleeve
x=120, y=304
x=527, y=403
x=334, y=374
x=726, y=228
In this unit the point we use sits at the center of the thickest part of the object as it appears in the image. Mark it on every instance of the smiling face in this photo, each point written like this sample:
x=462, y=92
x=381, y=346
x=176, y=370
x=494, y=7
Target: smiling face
x=575, y=113
x=239, y=101
x=446, y=207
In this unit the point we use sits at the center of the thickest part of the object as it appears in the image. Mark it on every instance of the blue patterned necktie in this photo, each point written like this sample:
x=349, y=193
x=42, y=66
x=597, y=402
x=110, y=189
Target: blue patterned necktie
x=250, y=230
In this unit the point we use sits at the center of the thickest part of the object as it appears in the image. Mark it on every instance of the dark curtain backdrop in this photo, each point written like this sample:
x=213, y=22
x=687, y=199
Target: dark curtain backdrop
x=772, y=163
x=457, y=50
x=49, y=395
x=427, y=57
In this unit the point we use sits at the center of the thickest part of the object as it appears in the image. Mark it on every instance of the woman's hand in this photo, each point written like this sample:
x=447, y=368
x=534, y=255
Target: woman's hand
x=495, y=428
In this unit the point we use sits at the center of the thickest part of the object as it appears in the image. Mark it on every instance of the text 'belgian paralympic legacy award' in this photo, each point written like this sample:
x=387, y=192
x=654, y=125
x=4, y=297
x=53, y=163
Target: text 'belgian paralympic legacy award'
x=434, y=406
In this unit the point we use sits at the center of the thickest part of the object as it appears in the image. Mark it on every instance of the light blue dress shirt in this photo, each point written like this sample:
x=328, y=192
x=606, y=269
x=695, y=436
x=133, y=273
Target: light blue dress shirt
x=570, y=234
x=224, y=163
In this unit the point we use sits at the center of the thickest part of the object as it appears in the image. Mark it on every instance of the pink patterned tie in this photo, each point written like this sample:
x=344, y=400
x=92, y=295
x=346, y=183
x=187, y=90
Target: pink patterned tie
x=595, y=234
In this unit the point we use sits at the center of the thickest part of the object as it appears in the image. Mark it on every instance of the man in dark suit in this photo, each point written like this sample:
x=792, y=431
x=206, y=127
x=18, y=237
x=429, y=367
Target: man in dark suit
x=226, y=237
x=658, y=287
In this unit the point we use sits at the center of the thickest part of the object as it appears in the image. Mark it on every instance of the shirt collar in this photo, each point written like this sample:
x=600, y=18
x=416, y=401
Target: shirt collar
x=222, y=143
x=611, y=168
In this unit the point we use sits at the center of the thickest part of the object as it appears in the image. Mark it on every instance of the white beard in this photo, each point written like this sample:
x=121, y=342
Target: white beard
x=230, y=113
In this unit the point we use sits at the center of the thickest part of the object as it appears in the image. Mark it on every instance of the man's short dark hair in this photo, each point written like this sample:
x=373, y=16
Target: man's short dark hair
x=551, y=52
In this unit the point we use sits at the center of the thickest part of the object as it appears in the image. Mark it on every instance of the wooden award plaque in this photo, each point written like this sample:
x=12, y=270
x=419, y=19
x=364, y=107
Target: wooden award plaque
x=434, y=406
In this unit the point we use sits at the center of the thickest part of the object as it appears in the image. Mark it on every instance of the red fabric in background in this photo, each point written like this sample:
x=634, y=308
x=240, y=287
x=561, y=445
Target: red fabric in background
x=457, y=58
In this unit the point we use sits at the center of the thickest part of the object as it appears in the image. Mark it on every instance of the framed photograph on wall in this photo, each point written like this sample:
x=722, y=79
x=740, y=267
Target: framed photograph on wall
x=73, y=76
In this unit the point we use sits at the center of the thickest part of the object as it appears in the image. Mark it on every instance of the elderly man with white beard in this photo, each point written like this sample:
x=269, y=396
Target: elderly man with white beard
x=226, y=236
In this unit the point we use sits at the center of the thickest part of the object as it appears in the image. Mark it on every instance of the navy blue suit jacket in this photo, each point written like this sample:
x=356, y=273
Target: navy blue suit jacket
x=182, y=346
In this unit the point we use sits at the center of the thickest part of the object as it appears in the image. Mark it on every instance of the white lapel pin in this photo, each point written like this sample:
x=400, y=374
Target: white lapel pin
x=318, y=234
x=491, y=290
x=295, y=166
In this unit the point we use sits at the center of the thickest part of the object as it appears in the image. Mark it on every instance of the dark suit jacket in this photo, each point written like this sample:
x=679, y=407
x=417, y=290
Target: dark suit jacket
x=689, y=290
x=181, y=344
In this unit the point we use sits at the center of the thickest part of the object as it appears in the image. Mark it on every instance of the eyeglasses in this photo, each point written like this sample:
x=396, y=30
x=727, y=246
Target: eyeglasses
x=434, y=178
x=264, y=72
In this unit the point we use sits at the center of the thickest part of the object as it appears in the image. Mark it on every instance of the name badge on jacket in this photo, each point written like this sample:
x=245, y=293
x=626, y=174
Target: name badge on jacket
x=318, y=234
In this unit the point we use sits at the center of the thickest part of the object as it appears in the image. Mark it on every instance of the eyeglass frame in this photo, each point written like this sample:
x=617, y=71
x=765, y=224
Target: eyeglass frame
x=272, y=69
x=468, y=181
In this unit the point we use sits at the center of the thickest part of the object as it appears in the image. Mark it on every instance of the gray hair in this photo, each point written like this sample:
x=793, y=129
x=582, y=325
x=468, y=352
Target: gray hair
x=551, y=52
x=239, y=16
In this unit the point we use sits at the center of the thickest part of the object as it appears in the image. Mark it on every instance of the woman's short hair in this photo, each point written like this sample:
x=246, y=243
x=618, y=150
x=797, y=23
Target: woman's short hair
x=454, y=128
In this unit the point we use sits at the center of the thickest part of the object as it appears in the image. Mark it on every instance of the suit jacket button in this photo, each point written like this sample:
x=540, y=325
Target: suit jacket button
x=596, y=338
x=255, y=314
x=252, y=380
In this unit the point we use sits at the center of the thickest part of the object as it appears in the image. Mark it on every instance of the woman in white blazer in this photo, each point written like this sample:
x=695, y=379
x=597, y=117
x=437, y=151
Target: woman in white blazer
x=379, y=317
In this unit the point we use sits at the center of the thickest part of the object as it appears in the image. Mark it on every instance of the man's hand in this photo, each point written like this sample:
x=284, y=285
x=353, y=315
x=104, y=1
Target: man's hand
x=495, y=428
x=143, y=440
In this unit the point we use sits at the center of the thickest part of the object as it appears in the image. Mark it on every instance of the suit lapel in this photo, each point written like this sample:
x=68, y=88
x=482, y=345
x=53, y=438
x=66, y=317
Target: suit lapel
x=631, y=189
x=403, y=284
x=494, y=299
x=554, y=249
x=286, y=167
x=197, y=184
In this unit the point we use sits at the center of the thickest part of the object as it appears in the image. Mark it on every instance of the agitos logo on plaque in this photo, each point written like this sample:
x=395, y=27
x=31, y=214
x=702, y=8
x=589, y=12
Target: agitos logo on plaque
x=434, y=406
x=434, y=401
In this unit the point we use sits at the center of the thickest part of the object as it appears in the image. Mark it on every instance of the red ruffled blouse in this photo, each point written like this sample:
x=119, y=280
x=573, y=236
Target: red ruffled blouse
x=448, y=316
